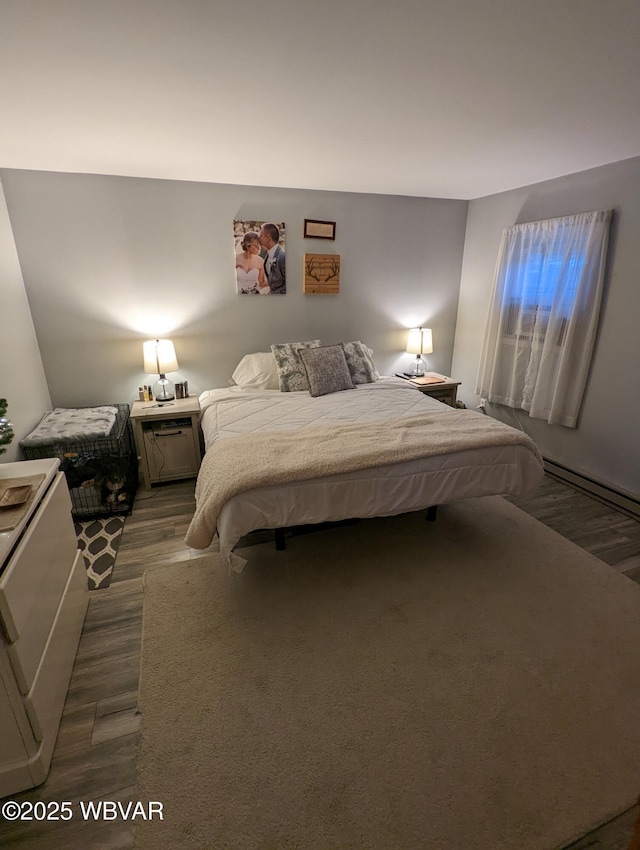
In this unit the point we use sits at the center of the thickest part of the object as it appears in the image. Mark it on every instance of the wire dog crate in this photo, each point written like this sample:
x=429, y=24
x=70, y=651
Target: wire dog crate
x=101, y=473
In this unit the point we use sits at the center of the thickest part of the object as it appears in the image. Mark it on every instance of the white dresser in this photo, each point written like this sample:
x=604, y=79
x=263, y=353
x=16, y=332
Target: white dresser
x=43, y=601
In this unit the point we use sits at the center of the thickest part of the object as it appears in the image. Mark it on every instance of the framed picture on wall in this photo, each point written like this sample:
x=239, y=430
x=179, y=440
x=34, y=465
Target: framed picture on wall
x=321, y=274
x=315, y=229
x=260, y=256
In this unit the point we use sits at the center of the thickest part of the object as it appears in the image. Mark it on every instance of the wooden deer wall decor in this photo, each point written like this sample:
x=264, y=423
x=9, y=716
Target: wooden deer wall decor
x=321, y=274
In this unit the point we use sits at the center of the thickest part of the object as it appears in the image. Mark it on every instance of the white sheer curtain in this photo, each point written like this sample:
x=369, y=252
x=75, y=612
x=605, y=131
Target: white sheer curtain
x=543, y=316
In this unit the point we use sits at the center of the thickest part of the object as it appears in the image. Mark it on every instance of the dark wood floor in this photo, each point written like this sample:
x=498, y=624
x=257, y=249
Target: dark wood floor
x=95, y=754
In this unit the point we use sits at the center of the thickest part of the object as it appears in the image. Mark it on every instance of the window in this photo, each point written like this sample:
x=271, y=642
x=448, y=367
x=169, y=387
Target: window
x=543, y=315
x=528, y=312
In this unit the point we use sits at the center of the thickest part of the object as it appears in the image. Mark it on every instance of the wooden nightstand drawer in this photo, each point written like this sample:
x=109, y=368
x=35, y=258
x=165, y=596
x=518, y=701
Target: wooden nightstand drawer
x=447, y=395
x=170, y=450
x=167, y=439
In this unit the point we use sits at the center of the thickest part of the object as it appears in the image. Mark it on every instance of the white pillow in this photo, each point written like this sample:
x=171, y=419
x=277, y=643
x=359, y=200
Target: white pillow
x=257, y=372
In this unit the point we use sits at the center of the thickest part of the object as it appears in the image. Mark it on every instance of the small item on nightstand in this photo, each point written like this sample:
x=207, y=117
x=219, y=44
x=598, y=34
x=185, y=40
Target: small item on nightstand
x=179, y=388
x=140, y=394
x=421, y=380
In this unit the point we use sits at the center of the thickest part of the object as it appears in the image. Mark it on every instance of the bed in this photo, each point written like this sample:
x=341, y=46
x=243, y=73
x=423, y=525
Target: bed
x=279, y=459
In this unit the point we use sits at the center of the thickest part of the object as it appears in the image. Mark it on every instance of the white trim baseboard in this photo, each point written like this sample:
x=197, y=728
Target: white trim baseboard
x=622, y=502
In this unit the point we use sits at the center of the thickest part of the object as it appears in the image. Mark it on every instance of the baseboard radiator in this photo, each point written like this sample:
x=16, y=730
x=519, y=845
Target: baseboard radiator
x=623, y=502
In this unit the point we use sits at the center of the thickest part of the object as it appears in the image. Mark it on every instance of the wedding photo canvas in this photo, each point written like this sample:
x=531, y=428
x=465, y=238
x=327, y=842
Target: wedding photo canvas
x=260, y=257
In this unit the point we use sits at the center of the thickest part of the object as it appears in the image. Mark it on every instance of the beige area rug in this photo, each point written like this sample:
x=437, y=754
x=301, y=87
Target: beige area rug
x=395, y=684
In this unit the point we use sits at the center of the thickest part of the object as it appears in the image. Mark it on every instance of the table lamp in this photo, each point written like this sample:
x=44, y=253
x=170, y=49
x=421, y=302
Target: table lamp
x=420, y=342
x=160, y=358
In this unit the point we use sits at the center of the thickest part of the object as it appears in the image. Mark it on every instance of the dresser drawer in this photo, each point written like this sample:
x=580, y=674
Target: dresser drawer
x=34, y=580
x=45, y=700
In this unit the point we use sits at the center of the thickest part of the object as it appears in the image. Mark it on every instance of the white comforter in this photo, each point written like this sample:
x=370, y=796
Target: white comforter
x=231, y=411
x=379, y=491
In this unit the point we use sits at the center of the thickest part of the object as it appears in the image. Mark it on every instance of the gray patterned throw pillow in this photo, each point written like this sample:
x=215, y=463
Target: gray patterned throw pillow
x=292, y=376
x=327, y=370
x=360, y=364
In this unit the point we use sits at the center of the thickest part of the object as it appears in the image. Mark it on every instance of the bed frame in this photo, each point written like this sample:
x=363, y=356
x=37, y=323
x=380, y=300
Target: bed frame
x=280, y=533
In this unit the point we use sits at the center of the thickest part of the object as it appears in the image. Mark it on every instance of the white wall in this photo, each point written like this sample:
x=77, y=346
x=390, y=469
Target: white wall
x=22, y=380
x=606, y=444
x=110, y=261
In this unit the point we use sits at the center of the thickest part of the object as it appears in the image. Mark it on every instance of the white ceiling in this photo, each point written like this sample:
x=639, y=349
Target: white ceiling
x=439, y=98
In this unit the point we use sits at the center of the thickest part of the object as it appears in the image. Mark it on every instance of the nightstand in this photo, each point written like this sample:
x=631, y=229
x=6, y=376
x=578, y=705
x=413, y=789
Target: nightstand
x=445, y=391
x=167, y=439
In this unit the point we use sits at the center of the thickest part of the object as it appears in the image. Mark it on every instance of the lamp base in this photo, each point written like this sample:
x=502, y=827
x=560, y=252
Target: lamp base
x=418, y=368
x=163, y=390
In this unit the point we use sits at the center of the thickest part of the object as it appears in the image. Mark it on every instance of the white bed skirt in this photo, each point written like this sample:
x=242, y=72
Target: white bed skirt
x=383, y=491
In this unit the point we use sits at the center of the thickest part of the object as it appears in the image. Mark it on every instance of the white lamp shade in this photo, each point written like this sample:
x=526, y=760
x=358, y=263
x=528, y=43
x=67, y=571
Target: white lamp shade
x=159, y=357
x=420, y=341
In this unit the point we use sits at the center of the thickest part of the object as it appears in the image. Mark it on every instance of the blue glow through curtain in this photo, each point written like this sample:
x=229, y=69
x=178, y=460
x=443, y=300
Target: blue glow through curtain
x=543, y=315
